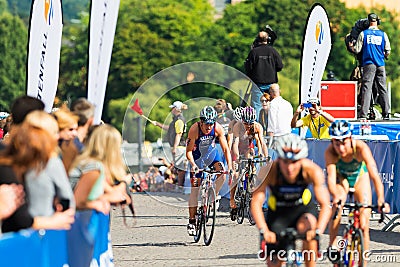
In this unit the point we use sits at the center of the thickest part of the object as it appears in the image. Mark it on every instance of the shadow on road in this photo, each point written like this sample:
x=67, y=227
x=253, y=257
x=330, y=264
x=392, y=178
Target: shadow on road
x=390, y=238
x=239, y=256
x=152, y=244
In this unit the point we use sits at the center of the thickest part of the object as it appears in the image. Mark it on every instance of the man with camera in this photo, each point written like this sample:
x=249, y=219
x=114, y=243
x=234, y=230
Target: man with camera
x=374, y=46
x=262, y=66
x=318, y=121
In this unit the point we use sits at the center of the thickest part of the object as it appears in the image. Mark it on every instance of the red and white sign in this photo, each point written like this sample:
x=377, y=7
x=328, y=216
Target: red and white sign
x=339, y=98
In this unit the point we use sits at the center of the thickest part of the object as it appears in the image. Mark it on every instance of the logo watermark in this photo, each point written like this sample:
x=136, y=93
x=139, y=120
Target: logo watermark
x=341, y=253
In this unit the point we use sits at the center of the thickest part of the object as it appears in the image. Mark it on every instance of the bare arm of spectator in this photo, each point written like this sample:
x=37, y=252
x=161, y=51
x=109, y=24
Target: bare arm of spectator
x=295, y=120
x=11, y=197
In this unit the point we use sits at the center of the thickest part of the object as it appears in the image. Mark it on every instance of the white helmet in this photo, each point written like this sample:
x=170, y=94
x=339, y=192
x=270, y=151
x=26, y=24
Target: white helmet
x=314, y=100
x=291, y=147
x=237, y=113
x=249, y=115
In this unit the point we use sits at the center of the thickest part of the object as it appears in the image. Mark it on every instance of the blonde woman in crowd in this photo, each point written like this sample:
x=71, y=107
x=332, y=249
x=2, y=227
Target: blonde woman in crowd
x=29, y=148
x=50, y=185
x=97, y=169
x=67, y=126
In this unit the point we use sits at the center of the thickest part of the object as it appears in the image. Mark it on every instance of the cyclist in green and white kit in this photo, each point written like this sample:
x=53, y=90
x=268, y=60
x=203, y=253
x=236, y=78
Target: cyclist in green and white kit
x=350, y=164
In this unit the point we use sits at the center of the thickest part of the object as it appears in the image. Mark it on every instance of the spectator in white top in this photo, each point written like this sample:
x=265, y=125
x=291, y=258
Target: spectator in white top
x=280, y=114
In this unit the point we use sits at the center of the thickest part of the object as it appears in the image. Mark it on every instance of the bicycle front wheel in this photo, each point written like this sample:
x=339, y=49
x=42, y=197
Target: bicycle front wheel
x=210, y=215
x=249, y=215
x=199, y=222
x=241, y=207
x=356, y=253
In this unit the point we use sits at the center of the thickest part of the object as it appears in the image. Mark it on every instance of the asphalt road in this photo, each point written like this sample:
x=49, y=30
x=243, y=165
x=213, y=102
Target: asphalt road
x=159, y=238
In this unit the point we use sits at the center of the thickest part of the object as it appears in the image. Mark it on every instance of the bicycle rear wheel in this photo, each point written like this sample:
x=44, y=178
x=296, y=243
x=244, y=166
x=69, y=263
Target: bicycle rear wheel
x=210, y=215
x=249, y=215
x=199, y=221
x=356, y=249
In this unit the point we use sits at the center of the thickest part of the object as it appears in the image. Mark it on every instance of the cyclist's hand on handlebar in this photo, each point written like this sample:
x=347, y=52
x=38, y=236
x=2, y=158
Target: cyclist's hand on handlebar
x=310, y=235
x=195, y=169
x=336, y=201
x=235, y=165
x=270, y=237
x=385, y=206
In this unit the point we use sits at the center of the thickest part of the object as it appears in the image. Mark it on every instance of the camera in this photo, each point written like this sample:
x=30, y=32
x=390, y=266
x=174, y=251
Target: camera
x=307, y=105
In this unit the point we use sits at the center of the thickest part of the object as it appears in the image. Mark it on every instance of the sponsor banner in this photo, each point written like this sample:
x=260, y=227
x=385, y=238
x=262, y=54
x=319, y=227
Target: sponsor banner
x=45, y=31
x=39, y=248
x=315, y=53
x=86, y=244
x=103, y=20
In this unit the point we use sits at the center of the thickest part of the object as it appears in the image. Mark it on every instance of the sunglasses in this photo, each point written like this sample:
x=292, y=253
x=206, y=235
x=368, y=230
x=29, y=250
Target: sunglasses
x=264, y=101
x=208, y=122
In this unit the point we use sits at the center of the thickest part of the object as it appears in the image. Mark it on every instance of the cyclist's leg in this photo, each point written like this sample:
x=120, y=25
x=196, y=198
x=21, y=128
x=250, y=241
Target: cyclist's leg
x=219, y=182
x=342, y=188
x=195, y=181
x=363, y=194
x=233, y=187
x=306, y=222
x=277, y=222
x=194, y=192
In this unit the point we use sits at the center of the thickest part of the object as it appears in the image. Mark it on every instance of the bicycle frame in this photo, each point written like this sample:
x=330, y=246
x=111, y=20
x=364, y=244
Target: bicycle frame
x=207, y=210
x=353, y=234
x=243, y=192
x=289, y=235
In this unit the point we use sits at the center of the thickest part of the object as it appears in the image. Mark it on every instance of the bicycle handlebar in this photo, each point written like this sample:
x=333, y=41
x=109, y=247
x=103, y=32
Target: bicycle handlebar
x=289, y=234
x=210, y=171
x=256, y=159
x=357, y=206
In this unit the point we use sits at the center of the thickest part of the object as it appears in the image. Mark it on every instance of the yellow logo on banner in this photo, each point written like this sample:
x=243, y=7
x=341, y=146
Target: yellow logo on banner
x=48, y=10
x=319, y=32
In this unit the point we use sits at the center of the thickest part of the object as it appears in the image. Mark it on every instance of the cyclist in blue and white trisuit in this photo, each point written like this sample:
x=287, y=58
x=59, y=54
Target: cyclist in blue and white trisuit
x=201, y=152
x=349, y=163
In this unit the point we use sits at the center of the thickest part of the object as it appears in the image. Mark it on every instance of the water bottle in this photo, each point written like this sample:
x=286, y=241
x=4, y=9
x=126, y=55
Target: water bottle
x=363, y=125
x=245, y=182
x=368, y=130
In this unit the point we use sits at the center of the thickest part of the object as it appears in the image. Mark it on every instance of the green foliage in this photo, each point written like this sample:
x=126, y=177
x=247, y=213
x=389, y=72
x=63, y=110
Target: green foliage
x=13, y=40
x=3, y=6
x=73, y=60
x=154, y=35
x=71, y=8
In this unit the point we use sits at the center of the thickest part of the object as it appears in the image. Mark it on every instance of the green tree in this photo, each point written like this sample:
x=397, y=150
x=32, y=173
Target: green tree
x=73, y=60
x=13, y=40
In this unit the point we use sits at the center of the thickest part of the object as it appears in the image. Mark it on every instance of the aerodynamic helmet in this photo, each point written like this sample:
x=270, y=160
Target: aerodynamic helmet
x=249, y=115
x=208, y=115
x=340, y=129
x=237, y=113
x=291, y=147
x=314, y=100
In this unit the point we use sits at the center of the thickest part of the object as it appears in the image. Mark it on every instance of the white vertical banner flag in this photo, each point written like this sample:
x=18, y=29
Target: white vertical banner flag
x=315, y=53
x=45, y=32
x=103, y=21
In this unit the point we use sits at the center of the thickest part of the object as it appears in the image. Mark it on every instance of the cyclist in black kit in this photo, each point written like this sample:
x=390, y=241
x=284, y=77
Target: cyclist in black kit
x=290, y=203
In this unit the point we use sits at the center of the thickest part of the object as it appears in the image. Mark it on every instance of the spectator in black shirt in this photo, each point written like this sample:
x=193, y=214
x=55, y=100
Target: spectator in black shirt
x=262, y=65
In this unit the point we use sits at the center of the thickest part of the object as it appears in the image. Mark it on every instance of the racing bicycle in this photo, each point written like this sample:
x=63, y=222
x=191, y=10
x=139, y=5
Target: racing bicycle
x=245, y=187
x=207, y=210
x=291, y=256
x=352, y=248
